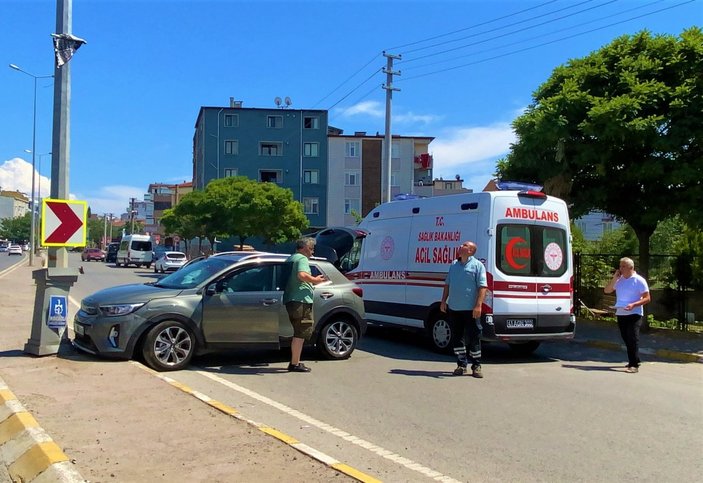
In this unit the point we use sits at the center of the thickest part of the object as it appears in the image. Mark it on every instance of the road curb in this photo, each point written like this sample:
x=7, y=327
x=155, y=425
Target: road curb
x=284, y=438
x=661, y=353
x=26, y=450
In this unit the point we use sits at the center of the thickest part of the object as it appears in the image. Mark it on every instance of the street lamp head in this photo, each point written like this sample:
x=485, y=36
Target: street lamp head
x=28, y=151
x=13, y=66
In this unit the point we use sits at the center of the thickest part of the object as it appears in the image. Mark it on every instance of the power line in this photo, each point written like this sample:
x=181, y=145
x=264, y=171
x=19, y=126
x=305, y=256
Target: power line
x=547, y=43
x=639, y=7
x=345, y=81
x=471, y=26
x=504, y=26
x=355, y=89
x=509, y=33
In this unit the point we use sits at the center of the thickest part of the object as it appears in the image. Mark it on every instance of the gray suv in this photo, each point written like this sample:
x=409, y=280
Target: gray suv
x=218, y=303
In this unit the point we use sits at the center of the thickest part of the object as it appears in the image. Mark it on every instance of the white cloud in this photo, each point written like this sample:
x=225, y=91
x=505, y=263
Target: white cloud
x=471, y=152
x=111, y=199
x=16, y=175
x=367, y=108
x=418, y=118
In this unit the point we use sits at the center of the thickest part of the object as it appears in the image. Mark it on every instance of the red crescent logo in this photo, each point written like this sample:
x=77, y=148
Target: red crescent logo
x=509, y=254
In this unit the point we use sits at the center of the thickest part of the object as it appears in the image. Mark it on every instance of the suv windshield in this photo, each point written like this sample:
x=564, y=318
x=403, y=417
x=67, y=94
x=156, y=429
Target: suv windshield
x=194, y=274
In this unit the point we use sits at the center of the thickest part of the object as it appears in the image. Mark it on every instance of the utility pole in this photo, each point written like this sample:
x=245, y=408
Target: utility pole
x=131, y=215
x=105, y=232
x=388, y=86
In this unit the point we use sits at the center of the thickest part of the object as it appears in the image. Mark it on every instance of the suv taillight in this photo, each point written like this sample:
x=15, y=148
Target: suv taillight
x=358, y=291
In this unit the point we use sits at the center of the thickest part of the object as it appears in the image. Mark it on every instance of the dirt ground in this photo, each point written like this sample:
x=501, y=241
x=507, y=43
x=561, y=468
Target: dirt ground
x=118, y=423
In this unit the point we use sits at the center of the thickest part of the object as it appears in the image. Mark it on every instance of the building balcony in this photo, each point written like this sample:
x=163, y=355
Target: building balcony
x=423, y=161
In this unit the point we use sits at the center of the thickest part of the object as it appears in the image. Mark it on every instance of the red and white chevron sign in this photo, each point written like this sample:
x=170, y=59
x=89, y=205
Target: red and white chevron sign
x=63, y=223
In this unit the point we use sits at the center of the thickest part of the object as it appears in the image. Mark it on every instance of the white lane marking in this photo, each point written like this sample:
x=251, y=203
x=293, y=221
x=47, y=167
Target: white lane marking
x=389, y=455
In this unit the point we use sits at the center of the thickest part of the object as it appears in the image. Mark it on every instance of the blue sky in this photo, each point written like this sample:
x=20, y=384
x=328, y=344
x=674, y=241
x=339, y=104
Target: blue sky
x=468, y=69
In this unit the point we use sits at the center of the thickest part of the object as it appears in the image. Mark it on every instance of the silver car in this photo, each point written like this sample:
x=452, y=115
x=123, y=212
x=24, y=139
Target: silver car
x=169, y=262
x=218, y=303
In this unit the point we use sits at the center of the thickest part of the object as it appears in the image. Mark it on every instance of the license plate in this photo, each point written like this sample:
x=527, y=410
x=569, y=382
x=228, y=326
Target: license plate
x=520, y=323
x=78, y=329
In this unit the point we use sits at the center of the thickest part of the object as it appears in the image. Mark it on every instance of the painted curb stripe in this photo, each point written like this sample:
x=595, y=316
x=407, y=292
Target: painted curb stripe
x=36, y=460
x=27, y=450
x=358, y=475
x=15, y=424
x=284, y=438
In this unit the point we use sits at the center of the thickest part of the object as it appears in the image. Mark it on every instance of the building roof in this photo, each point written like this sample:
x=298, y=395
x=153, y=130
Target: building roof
x=14, y=194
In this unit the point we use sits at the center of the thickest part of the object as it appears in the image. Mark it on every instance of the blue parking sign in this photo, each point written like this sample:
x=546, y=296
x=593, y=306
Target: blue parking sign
x=58, y=310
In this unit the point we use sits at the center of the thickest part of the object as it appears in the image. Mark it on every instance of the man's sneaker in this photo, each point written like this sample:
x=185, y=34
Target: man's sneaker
x=459, y=371
x=476, y=372
x=298, y=368
x=633, y=370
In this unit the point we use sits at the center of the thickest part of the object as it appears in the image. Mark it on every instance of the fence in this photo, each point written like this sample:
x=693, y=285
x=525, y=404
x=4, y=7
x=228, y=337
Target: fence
x=669, y=281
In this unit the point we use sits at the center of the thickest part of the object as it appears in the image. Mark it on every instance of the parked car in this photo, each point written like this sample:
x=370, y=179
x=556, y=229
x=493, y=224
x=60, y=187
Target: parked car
x=169, y=262
x=25, y=247
x=222, y=302
x=111, y=253
x=14, y=250
x=90, y=254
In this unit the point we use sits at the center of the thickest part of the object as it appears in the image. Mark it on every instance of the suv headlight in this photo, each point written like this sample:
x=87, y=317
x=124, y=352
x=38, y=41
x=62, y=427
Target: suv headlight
x=119, y=309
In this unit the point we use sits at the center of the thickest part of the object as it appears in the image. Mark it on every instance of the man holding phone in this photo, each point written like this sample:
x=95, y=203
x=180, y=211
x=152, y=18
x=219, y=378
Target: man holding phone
x=631, y=293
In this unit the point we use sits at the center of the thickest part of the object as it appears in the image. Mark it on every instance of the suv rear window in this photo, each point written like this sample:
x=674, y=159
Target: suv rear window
x=531, y=250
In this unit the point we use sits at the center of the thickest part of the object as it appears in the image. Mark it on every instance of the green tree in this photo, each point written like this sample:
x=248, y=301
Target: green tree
x=243, y=208
x=16, y=229
x=620, y=130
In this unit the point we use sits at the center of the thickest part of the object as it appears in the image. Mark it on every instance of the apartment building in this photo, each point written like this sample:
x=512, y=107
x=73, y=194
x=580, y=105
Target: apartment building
x=13, y=204
x=355, y=171
x=277, y=145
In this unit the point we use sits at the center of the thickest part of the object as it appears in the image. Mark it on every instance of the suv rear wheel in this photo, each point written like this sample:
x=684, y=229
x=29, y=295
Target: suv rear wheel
x=337, y=339
x=169, y=346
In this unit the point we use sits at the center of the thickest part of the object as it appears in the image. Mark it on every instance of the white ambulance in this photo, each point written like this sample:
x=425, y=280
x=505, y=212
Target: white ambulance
x=401, y=251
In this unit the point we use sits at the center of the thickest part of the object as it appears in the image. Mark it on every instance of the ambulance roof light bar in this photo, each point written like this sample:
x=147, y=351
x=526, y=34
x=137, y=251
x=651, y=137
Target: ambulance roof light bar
x=517, y=186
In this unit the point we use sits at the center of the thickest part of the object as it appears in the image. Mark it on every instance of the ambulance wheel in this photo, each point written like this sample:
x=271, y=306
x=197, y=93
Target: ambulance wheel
x=439, y=330
x=524, y=348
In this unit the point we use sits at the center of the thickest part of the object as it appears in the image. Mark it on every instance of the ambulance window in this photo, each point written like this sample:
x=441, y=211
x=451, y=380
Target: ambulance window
x=514, y=254
x=350, y=260
x=531, y=250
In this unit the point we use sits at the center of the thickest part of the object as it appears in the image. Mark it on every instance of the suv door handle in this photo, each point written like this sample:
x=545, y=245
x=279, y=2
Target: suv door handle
x=546, y=288
x=268, y=302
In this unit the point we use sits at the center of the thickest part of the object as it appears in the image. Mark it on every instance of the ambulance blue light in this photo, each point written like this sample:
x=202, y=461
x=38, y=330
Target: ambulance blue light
x=517, y=186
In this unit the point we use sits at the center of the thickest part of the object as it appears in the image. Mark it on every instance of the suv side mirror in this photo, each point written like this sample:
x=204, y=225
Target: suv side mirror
x=211, y=289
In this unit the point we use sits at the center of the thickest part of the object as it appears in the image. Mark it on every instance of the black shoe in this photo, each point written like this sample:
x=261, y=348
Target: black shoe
x=476, y=372
x=300, y=367
x=459, y=371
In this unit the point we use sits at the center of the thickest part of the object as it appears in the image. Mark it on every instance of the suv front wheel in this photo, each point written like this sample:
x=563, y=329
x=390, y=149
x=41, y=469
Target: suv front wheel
x=169, y=346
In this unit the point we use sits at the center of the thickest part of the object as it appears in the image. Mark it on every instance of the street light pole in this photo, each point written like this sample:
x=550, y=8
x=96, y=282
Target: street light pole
x=32, y=241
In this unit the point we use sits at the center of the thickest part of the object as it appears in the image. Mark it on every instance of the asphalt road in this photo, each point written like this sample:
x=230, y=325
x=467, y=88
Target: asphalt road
x=568, y=413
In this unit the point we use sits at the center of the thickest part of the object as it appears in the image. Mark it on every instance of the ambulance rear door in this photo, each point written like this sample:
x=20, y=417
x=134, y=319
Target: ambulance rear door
x=531, y=280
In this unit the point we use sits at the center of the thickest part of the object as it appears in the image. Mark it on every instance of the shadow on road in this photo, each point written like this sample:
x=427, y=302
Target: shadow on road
x=594, y=368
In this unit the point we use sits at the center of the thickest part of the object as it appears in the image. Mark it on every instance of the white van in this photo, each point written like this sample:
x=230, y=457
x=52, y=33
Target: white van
x=401, y=251
x=135, y=250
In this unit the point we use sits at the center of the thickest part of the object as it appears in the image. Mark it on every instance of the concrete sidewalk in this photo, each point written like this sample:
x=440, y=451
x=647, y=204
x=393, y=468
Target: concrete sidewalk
x=111, y=420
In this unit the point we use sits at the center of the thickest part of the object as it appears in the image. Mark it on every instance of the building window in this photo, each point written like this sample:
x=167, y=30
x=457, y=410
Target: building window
x=311, y=149
x=231, y=172
x=271, y=176
x=271, y=149
x=311, y=123
x=231, y=146
x=395, y=150
x=351, y=204
x=311, y=206
x=231, y=120
x=351, y=178
x=352, y=150
x=274, y=121
x=311, y=176
x=394, y=179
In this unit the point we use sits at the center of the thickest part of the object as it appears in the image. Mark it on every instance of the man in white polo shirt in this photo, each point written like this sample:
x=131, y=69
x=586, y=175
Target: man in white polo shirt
x=631, y=293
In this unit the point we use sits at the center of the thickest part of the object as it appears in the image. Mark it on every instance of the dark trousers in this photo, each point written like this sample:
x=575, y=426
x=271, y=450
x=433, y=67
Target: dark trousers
x=467, y=333
x=630, y=331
